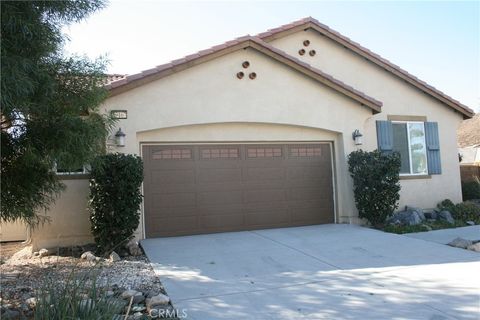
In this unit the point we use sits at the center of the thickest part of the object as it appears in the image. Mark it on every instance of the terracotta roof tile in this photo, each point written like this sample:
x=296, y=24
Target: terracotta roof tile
x=373, y=57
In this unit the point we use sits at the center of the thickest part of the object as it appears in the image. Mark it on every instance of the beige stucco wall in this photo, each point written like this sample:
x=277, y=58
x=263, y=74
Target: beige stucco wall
x=13, y=231
x=399, y=98
x=70, y=223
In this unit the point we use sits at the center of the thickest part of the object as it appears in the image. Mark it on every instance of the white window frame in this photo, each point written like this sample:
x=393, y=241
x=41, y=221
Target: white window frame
x=410, y=151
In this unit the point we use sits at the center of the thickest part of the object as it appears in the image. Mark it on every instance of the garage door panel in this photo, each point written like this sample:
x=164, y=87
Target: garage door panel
x=216, y=188
x=178, y=199
x=219, y=197
x=213, y=222
x=267, y=217
x=172, y=224
x=305, y=193
x=219, y=175
x=217, y=210
x=261, y=173
x=177, y=176
x=265, y=195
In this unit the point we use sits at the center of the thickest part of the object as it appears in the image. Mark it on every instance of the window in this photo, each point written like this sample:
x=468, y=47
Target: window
x=306, y=152
x=216, y=153
x=264, y=152
x=409, y=142
x=172, y=154
x=64, y=171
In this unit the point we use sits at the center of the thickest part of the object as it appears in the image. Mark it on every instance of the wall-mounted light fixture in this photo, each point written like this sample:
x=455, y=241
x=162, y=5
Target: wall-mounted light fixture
x=120, y=138
x=357, y=137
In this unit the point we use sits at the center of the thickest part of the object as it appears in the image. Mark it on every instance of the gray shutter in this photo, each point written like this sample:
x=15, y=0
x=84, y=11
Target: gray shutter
x=385, y=136
x=433, y=148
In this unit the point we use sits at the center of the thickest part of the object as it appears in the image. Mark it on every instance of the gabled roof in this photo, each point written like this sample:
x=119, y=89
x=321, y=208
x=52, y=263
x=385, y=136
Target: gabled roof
x=311, y=23
x=135, y=80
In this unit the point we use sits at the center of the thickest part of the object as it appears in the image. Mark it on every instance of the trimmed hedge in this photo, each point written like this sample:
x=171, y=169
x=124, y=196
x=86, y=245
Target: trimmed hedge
x=115, y=199
x=376, y=184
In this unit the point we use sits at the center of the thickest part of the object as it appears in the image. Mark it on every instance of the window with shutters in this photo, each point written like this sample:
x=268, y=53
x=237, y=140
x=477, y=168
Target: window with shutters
x=409, y=142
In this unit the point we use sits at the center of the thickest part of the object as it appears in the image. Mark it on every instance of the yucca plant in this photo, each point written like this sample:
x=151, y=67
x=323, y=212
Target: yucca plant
x=76, y=296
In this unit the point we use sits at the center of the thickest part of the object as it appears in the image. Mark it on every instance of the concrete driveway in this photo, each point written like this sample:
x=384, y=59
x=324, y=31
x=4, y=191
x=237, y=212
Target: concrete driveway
x=316, y=272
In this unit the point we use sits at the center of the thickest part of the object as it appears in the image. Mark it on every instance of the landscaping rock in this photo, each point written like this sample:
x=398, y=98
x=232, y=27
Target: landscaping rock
x=446, y=216
x=114, y=257
x=470, y=223
x=138, y=297
x=460, y=243
x=137, y=315
x=138, y=308
x=419, y=211
x=430, y=214
x=10, y=315
x=31, y=302
x=134, y=248
x=474, y=247
x=89, y=256
x=43, y=253
x=407, y=217
x=158, y=300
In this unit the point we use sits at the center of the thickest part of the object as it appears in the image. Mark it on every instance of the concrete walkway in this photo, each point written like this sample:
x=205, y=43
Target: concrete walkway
x=444, y=236
x=316, y=272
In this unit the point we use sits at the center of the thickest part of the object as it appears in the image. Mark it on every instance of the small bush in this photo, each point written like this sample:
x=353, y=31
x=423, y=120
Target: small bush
x=467, y=211
x=464, y=211
x=471, y=190
x=115, y=199
x=376, y=184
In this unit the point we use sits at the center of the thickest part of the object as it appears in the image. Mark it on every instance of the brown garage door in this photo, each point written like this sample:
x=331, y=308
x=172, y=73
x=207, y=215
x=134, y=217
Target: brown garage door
x=192, y=189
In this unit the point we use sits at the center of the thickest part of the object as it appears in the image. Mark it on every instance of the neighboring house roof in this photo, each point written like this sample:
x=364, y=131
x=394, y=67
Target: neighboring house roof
x=135, y=80
x=314, y=24
x=468, y=134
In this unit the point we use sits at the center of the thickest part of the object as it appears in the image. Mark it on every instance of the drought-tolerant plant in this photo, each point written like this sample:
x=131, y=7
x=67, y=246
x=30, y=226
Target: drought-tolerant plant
x=77, y=296
x=115, y=199
x=471, y=190
x=376, y=184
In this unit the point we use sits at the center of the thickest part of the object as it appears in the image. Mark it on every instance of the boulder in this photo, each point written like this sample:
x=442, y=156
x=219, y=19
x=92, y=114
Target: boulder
x=470, y=223
x=446, y=216
x=407, y=217
x=431, y=214
x=43, y=253
x=114, y=257
x=133, y=248
x=89, y=256
x=10, y=314
x=138, y=297
x=158, y=300
x=31, y=302
x=460, y=243
x=474, y=247
x=419, y=211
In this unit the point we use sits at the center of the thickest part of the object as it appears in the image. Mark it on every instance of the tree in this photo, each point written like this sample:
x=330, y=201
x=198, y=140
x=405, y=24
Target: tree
x=49, y=104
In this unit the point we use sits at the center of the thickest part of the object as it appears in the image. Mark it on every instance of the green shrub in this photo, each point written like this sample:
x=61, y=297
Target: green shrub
x=115, y=199
x=467, y=211
x=471, y=190
x=464, y=211
x=376, y=184
x=448, y=205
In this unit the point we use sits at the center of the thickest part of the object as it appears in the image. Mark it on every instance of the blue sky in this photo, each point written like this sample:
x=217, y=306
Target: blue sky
x=439, y=42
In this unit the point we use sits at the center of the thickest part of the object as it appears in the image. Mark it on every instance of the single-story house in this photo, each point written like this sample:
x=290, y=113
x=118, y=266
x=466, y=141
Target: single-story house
x=255, y=133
